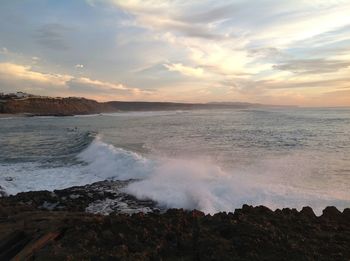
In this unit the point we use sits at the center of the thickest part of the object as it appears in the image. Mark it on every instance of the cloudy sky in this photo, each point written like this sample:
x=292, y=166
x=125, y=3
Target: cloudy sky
x=266, y=51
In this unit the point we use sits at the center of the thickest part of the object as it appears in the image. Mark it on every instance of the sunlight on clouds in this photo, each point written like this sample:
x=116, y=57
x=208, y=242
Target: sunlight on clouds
x=266, y=51
x=186, y=70
x=304, y=24
x=85, y=80
x=9, y=70
x=226, y=46
x=14, y=74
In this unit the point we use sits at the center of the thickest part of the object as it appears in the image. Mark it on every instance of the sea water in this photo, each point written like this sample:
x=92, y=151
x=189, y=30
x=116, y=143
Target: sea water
x=211, y=160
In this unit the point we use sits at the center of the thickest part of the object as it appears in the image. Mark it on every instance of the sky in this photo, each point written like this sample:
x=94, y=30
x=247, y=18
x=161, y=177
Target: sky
x=294, y=52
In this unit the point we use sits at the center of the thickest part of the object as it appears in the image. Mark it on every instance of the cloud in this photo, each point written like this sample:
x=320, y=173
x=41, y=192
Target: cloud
x=87, y=83
x=202, y=50
x=265, y=54
x=4, y=50
x=216, y=14
x=53, y=36
x=312, y=66
x=14, y=71
x=331, y=92
x=16, y=77
x=165, y=16
x=185, y=70
x=327, y=38
x=345, y=94
x=305, y=84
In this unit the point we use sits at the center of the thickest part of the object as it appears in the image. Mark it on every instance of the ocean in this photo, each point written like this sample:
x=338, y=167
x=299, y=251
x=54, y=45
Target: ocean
x=211, y=160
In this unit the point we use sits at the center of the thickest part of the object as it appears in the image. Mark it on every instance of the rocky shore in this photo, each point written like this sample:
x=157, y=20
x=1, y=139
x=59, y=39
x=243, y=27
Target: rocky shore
x=63, y=225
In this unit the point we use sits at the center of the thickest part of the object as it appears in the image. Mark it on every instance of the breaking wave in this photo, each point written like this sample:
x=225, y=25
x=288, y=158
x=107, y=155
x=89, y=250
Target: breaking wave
x=172, y=183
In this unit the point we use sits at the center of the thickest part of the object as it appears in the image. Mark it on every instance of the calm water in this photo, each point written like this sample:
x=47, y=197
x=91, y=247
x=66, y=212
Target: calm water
x=209, y=160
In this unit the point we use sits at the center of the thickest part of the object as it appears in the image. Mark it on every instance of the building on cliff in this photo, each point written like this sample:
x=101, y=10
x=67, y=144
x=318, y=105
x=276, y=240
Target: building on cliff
x=17, y=95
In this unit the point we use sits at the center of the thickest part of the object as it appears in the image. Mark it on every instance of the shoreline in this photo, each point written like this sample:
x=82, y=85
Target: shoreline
x=29, y=115
x=11, y=115
x=107, y=197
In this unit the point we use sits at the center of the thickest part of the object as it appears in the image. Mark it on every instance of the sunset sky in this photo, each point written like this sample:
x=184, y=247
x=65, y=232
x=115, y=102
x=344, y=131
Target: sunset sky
x=266, y=51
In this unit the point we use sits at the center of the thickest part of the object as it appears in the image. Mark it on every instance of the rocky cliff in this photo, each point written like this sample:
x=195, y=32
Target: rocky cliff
x=35, y=105
x=53, y=106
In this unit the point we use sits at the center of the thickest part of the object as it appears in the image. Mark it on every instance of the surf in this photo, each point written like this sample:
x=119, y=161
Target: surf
x=170, y=182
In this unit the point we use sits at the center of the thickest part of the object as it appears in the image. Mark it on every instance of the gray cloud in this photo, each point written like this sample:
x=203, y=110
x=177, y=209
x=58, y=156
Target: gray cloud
x=190, y=22
x=52, y=36
x=326, y=38
x=312, y=66
x=268, y=53
x=216, y=14
x=188, y=29
x=304, y=84
x=248, y=85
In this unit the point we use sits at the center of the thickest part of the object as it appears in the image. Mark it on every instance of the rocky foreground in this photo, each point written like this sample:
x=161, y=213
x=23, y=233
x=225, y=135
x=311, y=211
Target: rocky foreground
x=58, y=226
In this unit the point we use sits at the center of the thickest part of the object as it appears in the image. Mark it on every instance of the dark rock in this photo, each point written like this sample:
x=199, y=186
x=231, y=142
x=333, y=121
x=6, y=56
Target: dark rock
x=308, y=212
x=53, y=226
x=86, y=198
x=331, y=213
x=346, y=213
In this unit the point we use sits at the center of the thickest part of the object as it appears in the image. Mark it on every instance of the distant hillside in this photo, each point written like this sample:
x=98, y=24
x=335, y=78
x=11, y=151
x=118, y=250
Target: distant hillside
x=154, y=106
x=73, y=106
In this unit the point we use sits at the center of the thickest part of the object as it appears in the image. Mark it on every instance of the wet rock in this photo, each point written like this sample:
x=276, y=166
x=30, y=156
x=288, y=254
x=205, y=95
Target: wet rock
x=104, y=197
x=174, y=235
x=62, y=225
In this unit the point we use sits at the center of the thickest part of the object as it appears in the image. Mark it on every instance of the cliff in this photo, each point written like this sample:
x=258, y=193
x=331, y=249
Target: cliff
x=53, y=106
x=75, y=106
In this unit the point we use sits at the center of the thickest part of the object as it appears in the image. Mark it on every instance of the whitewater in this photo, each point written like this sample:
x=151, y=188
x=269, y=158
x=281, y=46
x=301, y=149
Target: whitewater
x=208, y=160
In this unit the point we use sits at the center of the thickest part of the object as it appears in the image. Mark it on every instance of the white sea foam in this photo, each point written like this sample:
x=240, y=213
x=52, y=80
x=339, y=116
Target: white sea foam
x=172, y=183
x=115, y=163
x=87, y=115
x=15, y=178
x=197, y=185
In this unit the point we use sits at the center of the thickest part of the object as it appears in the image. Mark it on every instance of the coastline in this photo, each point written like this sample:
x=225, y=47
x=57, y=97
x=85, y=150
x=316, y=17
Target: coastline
x=69, y=106
x=28, y=115
x=12, y=115
x=58, y=226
